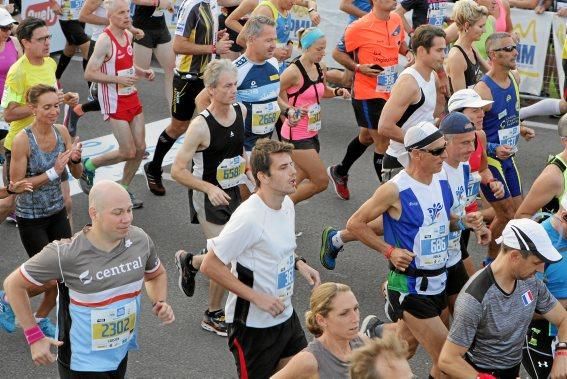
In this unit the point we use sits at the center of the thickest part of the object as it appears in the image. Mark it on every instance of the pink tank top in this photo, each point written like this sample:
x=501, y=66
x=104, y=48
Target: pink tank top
x=310, y=99
x=7, y=58
x=501, y=20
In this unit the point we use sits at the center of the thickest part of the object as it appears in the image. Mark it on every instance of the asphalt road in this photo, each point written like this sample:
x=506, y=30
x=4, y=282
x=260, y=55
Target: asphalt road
x=183, y=349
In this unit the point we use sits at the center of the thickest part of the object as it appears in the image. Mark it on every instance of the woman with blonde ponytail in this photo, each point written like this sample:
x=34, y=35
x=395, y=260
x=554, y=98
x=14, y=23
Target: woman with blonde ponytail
x=333, y=318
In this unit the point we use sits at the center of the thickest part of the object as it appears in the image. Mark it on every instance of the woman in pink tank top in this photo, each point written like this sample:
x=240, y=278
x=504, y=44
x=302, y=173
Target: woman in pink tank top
x=502, y=16
x=10, y=51
x=303, y=85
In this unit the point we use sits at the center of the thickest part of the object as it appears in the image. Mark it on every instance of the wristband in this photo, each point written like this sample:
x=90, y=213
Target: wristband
x=10, y=192
x=52, y=174
x=482, y=375
x=33, y=334
x=461, y=224
x=357, y=67
x=75, y=162
x=312, y=10
x=561, y=353
x=297, y=259
x=389, y=251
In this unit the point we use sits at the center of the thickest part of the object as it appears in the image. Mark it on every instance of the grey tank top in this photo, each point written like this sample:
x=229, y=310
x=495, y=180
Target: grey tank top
x=329, y=365
x=46, y=200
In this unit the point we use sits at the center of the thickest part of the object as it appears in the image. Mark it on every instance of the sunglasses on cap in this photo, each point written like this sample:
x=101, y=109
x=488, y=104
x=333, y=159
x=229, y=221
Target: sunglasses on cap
x=507, y=49
x=435, y=152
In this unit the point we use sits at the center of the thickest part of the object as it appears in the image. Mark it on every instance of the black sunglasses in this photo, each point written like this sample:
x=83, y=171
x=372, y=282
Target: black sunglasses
x=6, y=28
x=436, y=152
x=507, y=49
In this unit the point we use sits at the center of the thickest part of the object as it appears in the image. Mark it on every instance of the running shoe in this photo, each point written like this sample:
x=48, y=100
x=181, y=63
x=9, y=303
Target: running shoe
x=372, y=327
x=339, y=183
x=87, y=178
x=388, y=308
x=186, y=271
x=328, y=253
x=47, y=327
x=7, y=317
x=153, y=181
x=214, y=322
x=11, y=218
x=136, y=203
x=70, y=121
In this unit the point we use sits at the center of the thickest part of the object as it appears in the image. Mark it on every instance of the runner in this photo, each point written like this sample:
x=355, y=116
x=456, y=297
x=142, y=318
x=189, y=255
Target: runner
x=34, y=67
x=500, y=300
x=302, y=91
x=502, y=127
x=333, y=319
x=464, y=64
x=416, y=207
x=194, y=46
x=259, y=243
x=112, y=67
x=215, y=144
x=549, y=187
x=41, y=153
x=432, y=12
x=67, y=12
x=364, y=39
x=100, y=272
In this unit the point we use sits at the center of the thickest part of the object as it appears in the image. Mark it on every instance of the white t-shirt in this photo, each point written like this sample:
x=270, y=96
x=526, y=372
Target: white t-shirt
x=259, y=242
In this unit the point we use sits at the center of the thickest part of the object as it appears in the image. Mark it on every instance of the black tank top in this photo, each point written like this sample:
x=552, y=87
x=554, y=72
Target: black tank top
x=472, y=73
x=143, y=18
x=225, y=143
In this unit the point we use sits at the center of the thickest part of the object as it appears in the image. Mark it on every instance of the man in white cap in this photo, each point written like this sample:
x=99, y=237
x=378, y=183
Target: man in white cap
x=415, y=206
x=550, y=186
x=494, y=309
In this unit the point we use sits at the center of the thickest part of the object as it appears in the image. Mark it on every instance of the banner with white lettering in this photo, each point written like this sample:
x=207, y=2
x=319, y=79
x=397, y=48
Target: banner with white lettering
x=42, y=10
x=558, y=41
x=534, y=38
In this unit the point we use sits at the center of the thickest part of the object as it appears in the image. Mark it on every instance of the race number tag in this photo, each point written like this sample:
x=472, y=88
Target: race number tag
x=473, y=188
x=386, y=79
x=264, y=117
x=314, y=114
x=509, y=136
x=126, y=90
x=112, y=328
x=286, y=276
x=436, y=13
x=230, y=172
x=434, y=242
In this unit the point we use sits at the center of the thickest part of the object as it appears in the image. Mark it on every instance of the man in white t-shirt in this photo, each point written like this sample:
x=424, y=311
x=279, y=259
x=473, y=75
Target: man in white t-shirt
x=259, y=243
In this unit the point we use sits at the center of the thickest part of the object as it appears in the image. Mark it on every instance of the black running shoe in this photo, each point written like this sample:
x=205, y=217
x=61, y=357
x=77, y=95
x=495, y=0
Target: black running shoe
x=187, y=272
x=153, y=181
x=372, y=327
x=214, y=322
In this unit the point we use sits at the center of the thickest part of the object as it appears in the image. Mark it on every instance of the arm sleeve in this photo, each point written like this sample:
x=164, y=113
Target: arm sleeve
x=44, y=266
x=241, y=232
x=153, y=262
x=545, y=300
x=467, y=316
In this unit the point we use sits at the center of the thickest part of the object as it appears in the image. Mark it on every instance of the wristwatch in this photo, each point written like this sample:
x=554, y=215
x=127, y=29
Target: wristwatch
x=561, y=346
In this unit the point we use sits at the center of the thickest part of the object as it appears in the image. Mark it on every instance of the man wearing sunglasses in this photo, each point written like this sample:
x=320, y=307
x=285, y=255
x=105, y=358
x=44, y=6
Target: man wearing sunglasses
x=496, y=306
x=415, y=206
x=502, y=127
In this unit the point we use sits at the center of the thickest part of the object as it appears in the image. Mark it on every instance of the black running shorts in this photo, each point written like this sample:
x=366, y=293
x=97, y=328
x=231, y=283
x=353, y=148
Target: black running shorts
x=456, y=278
x=257, y=351
x=154, y=37
x=305, y=144
x=367, y=112
x=419, y=306
x=74, y=32
x=185, y=90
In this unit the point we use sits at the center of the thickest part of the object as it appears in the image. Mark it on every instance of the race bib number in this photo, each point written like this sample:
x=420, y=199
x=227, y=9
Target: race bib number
x=70, y=9
x=436, y=13
x=386, y=79
x=509, y=136
x=314, y=114
x=473, y=188
x=286, y=276
x=264, y=117
x=455, y=241
x=112, y=328
x=434, y=241
x=230, y=172
x=126, y=90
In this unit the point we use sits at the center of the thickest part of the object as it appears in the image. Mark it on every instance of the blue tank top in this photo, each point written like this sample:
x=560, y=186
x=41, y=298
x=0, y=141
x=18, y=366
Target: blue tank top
x=502, y=122
x=423, y=228
x=46, y=200
x=258, y=88
x=363, y=5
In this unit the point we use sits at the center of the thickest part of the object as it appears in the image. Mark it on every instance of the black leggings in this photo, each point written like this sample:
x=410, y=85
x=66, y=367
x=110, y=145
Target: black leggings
x=119, y=373
x=36, y=233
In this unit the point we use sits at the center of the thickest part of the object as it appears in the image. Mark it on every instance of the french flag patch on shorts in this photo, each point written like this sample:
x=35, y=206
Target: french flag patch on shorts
x=527, y=297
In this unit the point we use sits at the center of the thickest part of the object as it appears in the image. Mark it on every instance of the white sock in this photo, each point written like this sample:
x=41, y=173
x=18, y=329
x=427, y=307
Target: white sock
x=337, y=241
x=545, y=107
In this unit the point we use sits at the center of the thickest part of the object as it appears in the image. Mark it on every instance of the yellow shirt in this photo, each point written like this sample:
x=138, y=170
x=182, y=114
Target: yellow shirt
x=20, y=78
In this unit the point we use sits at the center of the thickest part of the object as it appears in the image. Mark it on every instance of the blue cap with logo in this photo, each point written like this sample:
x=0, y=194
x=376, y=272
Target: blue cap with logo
x=456, y=123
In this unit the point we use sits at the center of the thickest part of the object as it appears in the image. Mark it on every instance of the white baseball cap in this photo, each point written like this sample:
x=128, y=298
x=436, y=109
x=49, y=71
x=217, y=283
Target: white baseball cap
x=527, y=235
x=5, y=18
x=417, y=137
x=466, y=98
